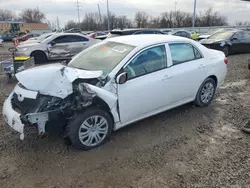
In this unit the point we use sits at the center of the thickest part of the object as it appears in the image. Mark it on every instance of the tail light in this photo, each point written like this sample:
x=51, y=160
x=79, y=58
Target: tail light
x=226, y=60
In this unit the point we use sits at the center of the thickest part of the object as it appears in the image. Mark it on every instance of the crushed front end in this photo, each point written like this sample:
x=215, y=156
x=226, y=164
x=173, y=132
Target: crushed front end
x=50, y=114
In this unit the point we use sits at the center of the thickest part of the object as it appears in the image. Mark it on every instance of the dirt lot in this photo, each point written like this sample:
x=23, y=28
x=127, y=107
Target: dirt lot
x=185, y=147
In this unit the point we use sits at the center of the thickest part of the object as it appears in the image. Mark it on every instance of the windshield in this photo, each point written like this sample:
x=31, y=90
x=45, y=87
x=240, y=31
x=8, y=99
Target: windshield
x=222, y=35
x=43, y=37
x=104, y=56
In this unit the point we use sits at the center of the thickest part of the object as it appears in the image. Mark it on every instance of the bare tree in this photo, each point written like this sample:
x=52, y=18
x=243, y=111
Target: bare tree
x=32, y=16
x=70, y=24
x=123, y=22
x=7, y=15
x=141, y=19
x=241, y=23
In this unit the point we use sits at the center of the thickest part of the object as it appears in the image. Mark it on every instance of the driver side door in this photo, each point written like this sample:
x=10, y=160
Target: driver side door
x=144, y=91
x=61, y=47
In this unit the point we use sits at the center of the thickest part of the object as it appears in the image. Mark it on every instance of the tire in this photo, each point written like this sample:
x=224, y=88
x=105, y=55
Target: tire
x=225, y=50
x=203, y=98
x=84, y=124
x=39, y=57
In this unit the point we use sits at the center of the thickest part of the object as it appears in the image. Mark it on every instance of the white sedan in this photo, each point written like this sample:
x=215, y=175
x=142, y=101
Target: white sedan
x=112, y=84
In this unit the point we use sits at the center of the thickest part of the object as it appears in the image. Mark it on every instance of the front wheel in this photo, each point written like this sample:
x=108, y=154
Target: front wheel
x=205, y=93
x=39, y=57
x=90, y=129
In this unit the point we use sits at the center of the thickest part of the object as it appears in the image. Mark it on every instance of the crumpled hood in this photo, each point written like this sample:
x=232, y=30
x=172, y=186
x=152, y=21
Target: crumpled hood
x=54, y=80
x=211, y=41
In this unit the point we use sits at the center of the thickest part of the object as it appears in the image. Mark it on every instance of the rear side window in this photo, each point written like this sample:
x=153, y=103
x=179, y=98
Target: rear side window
x=183, y=52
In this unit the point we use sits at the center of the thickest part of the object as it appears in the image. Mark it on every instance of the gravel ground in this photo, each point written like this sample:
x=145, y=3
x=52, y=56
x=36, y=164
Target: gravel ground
x=184, y=147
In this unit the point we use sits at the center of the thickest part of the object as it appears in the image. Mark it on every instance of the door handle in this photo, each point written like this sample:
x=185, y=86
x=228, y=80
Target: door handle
x=166, y=77
x=202, y=66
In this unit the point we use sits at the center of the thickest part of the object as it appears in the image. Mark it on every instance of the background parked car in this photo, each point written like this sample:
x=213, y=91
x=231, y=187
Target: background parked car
x=167, y=31
x=231, y=41
x=73, y=30
x=194, y=35
x=25, y=37
x=123, y=32
x=96, y=34
x=1, y=40
x=57, y=46
x=210, y=33
x=8, y=37
x=181, y=33
x=38, y=39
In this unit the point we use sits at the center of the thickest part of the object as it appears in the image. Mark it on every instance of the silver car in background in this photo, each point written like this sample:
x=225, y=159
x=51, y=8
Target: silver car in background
x=58, y=46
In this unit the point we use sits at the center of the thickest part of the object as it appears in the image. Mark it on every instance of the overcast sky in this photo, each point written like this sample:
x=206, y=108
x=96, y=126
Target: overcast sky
x=66, y=9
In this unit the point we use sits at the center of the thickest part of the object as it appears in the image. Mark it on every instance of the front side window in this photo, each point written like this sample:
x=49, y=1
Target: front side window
x=146, y=62
x=183, y=52
x=103, y=56
x=62, y=39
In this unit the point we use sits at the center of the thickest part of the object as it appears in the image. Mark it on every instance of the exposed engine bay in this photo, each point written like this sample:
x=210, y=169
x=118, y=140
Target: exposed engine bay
x=53, y=104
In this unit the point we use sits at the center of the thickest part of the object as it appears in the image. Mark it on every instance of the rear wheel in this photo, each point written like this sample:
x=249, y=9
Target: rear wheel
x=90, y=129
x=205, y=93
x=39, y=57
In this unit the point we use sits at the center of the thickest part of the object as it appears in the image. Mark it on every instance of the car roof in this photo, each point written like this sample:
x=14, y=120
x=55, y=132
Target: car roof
x=130, y=31
x=64, y=34
x=150, y=39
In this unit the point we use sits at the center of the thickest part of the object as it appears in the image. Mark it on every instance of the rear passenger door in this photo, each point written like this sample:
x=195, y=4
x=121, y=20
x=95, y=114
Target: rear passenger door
x=186, y=73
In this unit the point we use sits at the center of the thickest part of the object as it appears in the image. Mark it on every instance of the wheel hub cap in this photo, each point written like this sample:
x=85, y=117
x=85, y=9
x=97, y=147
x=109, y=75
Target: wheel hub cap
x=207, y=93
x=93, y=130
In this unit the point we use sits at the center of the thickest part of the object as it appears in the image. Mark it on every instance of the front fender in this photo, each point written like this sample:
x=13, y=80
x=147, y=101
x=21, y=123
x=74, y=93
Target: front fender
x=108, y=97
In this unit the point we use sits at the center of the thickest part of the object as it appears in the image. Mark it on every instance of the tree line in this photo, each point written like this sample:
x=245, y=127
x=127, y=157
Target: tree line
x=27, y=15
x=93, y=21
x=168, y=19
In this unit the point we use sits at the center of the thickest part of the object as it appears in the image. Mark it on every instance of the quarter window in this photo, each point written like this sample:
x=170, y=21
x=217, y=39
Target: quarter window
x=182, y=52
x=148, y=61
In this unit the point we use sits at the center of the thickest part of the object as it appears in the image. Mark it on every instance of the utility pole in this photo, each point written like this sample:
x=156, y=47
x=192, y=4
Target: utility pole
x=58, y=27
x=194, y=14
x=175, y=5
x=100, y=16
x=108, y=14
x=78, y=11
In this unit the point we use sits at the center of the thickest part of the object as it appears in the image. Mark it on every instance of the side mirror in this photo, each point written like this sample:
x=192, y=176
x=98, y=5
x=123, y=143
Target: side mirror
x=53, y=43
x=233, y=38
x=122, y=78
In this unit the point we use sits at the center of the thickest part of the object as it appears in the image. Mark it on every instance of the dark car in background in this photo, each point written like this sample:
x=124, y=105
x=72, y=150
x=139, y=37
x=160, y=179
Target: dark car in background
x=231, y=41
x=8, y=37
x=116, y=33
x=181, y=33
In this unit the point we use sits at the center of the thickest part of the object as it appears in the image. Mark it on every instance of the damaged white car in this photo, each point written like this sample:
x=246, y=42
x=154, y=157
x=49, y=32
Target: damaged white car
x=112, y=84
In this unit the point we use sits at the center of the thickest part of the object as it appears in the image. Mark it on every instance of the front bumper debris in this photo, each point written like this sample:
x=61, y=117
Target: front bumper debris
x=12, y=118
x=17, y=121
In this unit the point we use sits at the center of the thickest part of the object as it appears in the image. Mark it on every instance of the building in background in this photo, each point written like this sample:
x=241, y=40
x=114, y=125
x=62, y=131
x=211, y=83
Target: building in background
x=19, y=27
